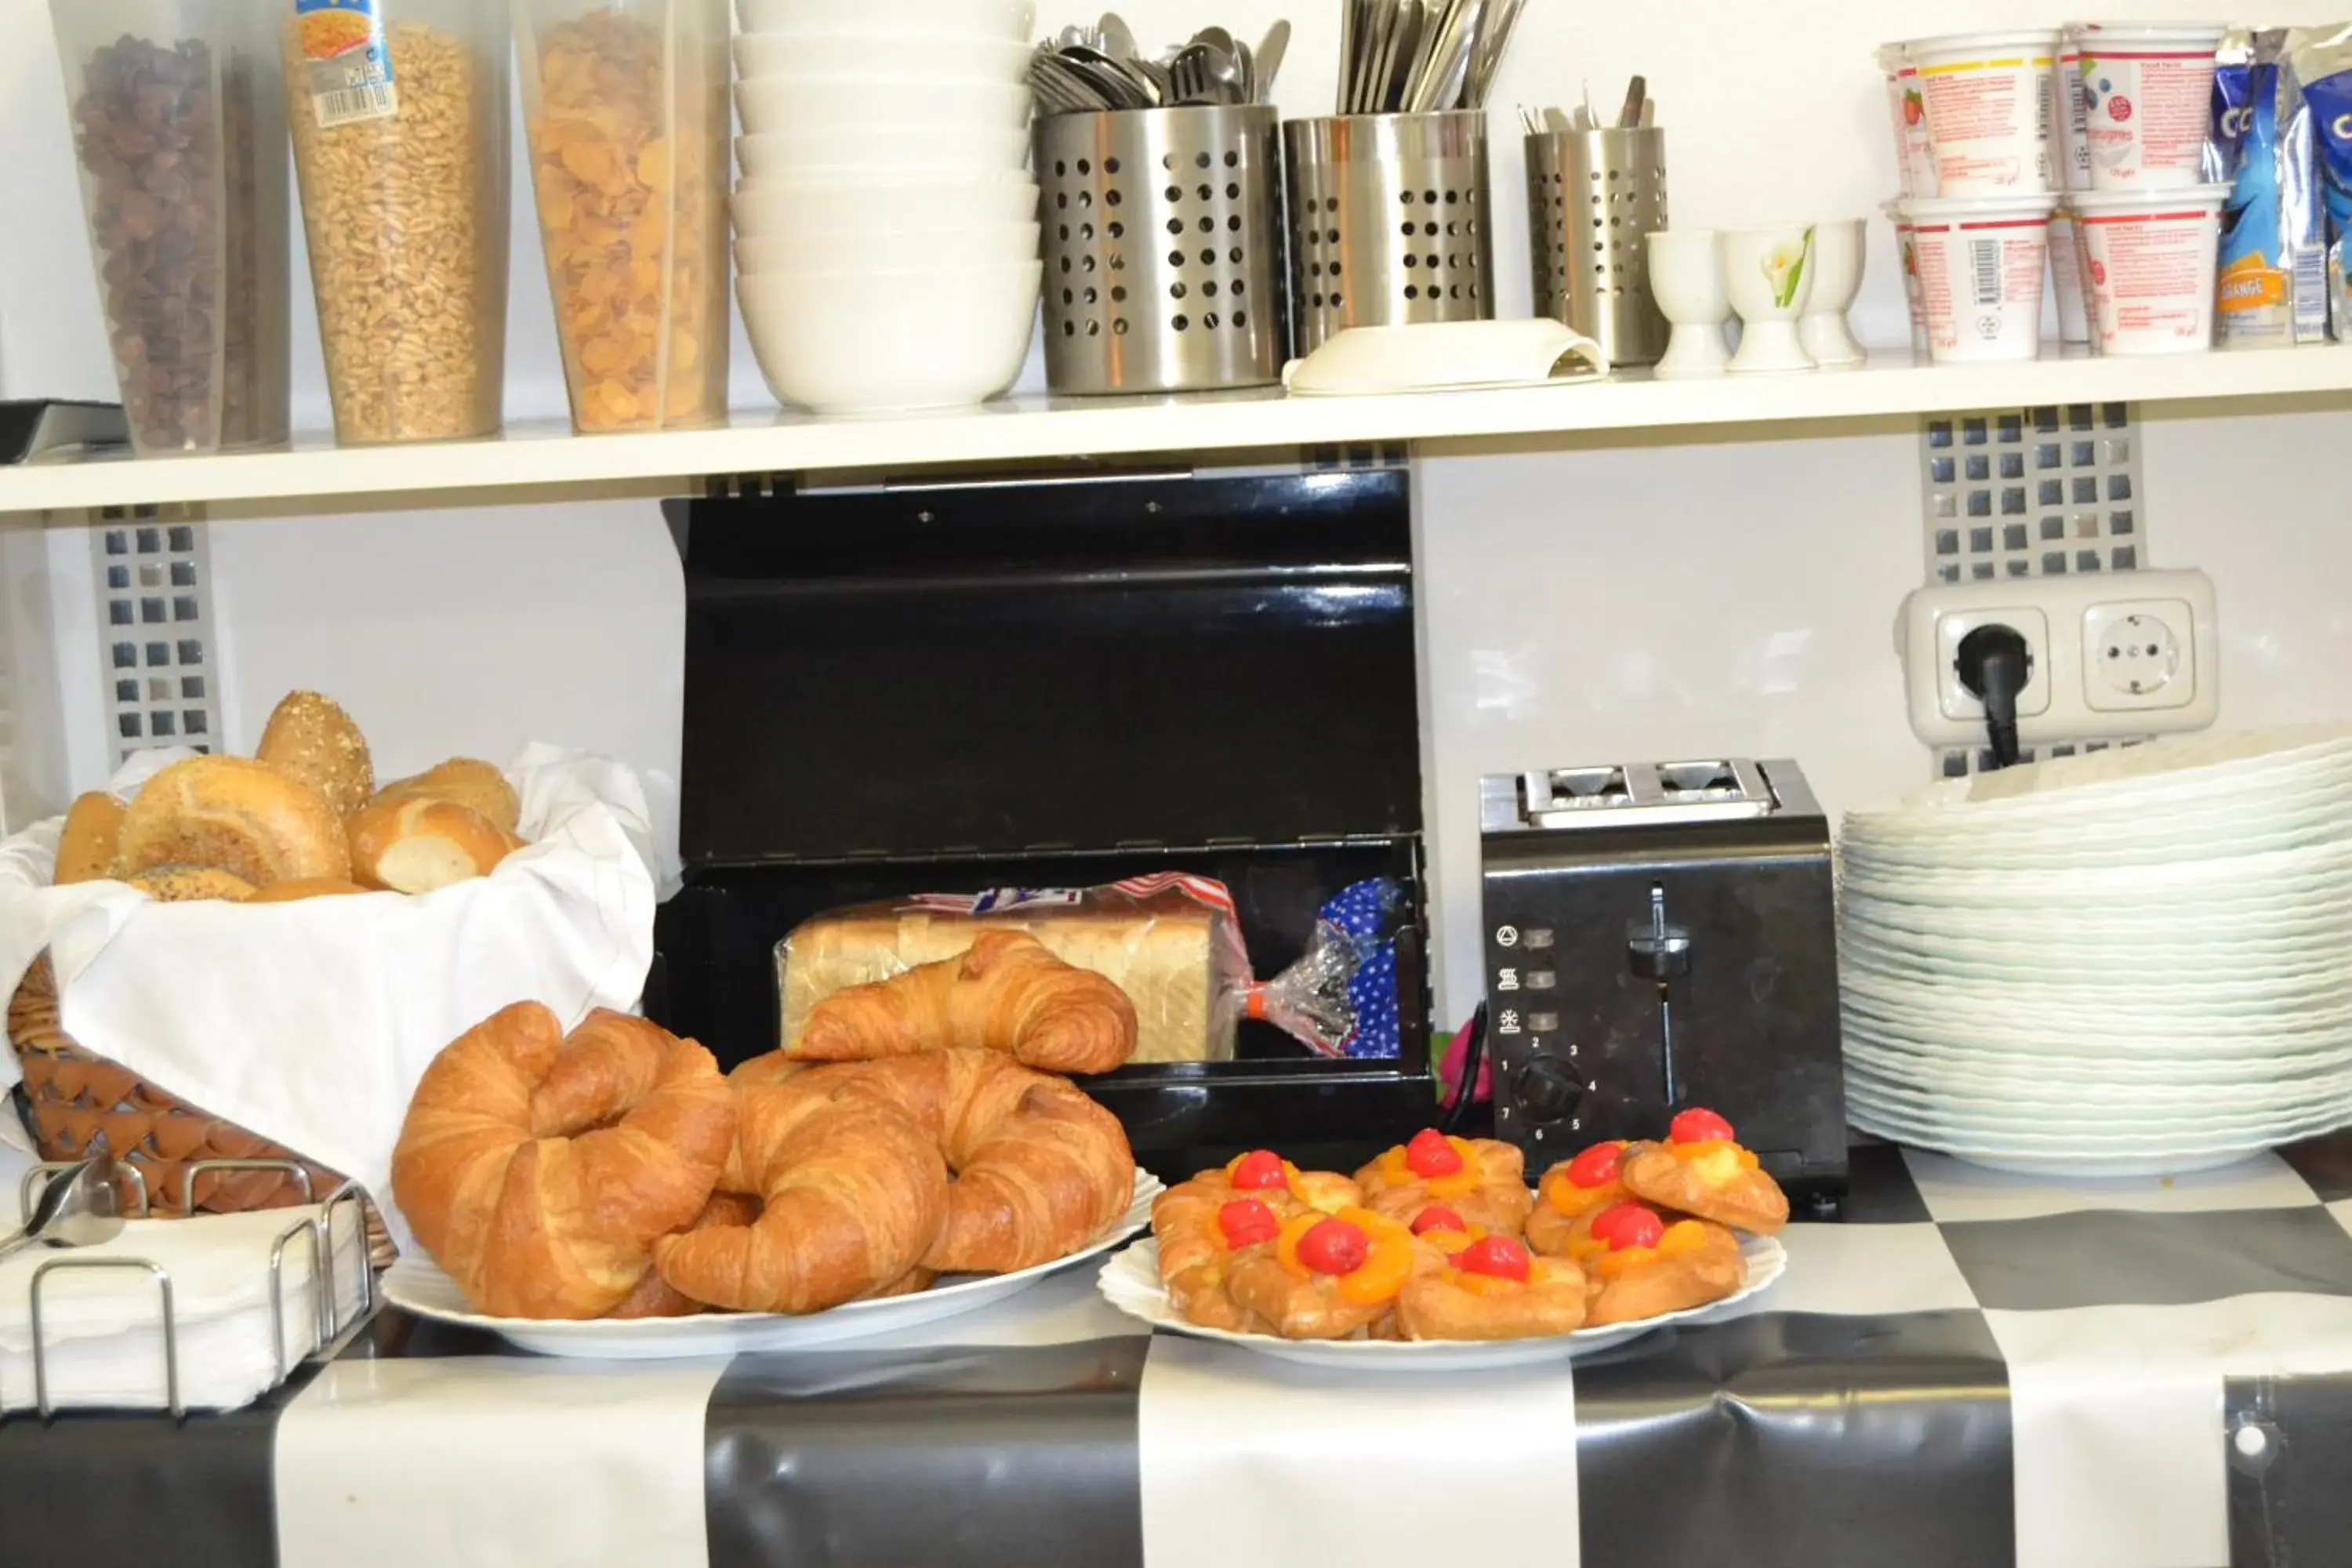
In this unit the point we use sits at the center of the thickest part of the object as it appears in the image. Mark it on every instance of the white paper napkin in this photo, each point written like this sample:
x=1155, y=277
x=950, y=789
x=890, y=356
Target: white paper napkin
x=311, y=1023
x=104, y=1327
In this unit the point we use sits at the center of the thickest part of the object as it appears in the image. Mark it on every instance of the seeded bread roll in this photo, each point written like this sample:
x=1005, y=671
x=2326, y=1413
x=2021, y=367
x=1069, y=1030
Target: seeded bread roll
x=419, y=845
x=86, y=850
x=187, y=884
x=308, y=888
x=238, y=815
x=311, y=738
x=463, y=781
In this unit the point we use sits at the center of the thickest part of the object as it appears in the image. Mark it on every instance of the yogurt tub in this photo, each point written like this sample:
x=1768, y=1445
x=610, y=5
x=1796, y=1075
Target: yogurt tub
x=2147, y=93
x=1906, y=253
x=2152, y=257
x=2066, y=273
x=1982, y=263
x=2072, y=119
x=1990, y=101
x=1906, y=108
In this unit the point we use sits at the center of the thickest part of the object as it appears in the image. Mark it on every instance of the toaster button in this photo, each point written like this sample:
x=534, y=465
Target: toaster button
x=1547, y=1091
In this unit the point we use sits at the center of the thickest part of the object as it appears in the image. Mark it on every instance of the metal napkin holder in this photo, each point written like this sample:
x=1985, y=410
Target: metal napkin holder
x=319, y=1232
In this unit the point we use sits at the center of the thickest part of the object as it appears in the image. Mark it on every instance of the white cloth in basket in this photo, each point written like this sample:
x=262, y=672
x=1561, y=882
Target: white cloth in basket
x=309, y=1023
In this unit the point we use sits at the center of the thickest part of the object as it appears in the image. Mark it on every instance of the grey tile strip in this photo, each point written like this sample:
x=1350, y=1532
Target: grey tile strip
x=2115, y=1258
x=947, y=1458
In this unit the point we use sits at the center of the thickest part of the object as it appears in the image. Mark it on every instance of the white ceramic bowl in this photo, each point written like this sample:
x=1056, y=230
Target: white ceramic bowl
x=763, y=208
x=874, y=342
x=821, y=250
x=982, y=150
x=932, y=18
x=759, y=56
x=944, y=108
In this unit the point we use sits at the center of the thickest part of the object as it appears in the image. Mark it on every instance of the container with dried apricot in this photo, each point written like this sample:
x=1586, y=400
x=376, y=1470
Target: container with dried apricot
x=626, y=114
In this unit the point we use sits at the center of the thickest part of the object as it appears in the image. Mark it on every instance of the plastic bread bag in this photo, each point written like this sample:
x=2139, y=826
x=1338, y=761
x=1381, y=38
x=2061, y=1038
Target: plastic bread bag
x=2321, y=61
x=1173, y=942
x=1340, y=998
x=2274, y=285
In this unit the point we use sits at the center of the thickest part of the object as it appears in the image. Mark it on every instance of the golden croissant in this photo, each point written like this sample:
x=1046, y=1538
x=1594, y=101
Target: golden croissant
x=1007, y=993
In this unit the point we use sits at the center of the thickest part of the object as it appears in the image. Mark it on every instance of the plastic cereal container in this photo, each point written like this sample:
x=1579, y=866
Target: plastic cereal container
x=399, y=115
x=2146, y=93
x=627, y=118
x=2152, y=257
x=179, y=131
x=1906, y=106
x=1992, y=104
x=1982, y=262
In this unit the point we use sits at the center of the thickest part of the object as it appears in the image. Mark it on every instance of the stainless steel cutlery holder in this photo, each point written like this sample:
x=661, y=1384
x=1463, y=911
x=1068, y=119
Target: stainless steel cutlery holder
x=1162, y=234
x=1594, y=199
x=1390, y=222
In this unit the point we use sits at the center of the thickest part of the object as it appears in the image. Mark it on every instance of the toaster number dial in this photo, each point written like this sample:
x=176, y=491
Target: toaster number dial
x=1547, y=1091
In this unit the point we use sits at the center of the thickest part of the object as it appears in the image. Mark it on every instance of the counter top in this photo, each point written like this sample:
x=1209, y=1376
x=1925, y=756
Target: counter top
x=1969, y=1369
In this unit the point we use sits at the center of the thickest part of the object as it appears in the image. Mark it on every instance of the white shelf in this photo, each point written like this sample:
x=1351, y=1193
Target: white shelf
x=1025, y=430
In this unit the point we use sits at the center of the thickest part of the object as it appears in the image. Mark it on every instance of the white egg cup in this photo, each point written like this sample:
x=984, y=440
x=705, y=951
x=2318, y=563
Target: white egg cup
x=1837, y=282
x=1686, y=281
x=1768, y=275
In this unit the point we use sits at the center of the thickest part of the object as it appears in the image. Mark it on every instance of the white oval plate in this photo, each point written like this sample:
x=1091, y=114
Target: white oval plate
x=417, y=1285
x=1130, y=1282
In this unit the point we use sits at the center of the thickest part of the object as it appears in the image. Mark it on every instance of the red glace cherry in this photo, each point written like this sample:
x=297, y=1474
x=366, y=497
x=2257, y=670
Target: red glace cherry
x=1437, y=1217
x=1700, y=1127
x=1597, y=1166
x=1245, y=1221
x=1430, y=1154
x=1335, y=1246
x=1259, y=1171
x=1497, y=1255
x=1628, y=1225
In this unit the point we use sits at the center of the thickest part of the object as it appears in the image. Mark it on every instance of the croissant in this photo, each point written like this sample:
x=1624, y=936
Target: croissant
x=1008, y=994
x=538, y=1171
x=853, y=1162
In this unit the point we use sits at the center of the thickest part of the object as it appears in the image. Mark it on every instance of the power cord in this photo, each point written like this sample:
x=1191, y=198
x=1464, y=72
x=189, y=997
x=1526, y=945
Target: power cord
x=1995, y=663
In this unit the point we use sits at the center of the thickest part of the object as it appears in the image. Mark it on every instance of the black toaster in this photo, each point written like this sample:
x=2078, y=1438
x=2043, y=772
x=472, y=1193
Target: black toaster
x=1662, y=936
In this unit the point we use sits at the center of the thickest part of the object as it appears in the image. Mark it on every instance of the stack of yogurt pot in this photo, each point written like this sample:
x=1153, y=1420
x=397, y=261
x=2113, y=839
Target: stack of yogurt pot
x=2060, y=161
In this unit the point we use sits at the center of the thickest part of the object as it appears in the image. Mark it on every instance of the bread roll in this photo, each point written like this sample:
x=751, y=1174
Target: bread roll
x=87, y=850
x=311, y=738
x=463, y=781
x=238, y=815
x=308, y=888
x=187, y=884
x=417, y=846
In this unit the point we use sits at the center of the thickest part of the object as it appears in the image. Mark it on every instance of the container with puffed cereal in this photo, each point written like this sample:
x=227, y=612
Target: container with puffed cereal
x=626, y=110
x=399, y=115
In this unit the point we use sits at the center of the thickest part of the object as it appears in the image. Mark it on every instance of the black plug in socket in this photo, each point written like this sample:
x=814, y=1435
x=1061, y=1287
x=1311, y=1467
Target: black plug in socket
x=1995, y=663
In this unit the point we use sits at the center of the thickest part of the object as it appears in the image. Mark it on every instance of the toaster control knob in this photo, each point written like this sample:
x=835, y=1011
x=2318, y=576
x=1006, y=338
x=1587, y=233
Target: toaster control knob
x=1547, y=1091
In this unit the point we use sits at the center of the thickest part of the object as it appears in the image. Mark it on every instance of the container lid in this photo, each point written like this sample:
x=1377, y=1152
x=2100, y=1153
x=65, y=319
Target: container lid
x=2209, y=196
x=1999, y=38
x=2209, y=34
x=2023, y=203
x=1894, y=59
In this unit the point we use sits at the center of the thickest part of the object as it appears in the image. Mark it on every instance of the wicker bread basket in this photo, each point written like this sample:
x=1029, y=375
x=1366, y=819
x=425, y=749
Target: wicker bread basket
x=81, y=1104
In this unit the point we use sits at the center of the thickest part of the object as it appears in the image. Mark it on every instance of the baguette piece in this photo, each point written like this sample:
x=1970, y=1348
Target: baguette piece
x=236, y=814
x=419, y=845
x=470, y=781
x=187, y=884
x=87, y=849
x=311, y=738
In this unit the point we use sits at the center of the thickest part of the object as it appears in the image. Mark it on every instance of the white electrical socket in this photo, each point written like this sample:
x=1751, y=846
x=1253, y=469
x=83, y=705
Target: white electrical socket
x=2113, y=656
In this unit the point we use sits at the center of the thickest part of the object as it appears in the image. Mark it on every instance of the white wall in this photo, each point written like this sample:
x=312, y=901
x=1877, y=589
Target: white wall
x=1584, y=600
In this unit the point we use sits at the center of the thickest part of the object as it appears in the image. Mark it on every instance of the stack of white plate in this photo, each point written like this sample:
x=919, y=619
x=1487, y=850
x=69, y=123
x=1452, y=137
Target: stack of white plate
x=886, y=221
x=2130, y=964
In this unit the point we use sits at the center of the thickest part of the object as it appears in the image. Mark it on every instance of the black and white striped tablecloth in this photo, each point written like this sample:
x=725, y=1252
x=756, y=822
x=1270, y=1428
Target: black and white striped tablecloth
x=1972, y=1370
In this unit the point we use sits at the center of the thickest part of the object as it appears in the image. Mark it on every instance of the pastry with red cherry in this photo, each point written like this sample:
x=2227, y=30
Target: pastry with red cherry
x=1330, y=1276
x=1485, y=1181
x=1572, y=1193
x=1701, y=1170
x=1638, y=1266
x=1197, y=1257
x=1264, y=1174
x=1491, y=1287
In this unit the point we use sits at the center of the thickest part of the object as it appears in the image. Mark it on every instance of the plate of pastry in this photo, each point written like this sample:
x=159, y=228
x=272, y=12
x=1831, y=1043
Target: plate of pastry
x=415, y=1284
x=1437, y=1257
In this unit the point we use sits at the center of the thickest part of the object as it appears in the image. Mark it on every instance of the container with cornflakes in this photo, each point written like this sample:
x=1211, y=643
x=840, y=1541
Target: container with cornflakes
x=626, y=111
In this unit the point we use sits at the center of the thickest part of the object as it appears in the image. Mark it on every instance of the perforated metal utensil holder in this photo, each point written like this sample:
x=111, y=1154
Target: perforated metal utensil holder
x=1388, y=222
x=1162, y=235
x=1594, y=199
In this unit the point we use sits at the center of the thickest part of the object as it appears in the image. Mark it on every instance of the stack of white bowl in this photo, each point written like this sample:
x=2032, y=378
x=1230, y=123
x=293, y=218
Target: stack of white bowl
x=2135, y=962
x=886, y=221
